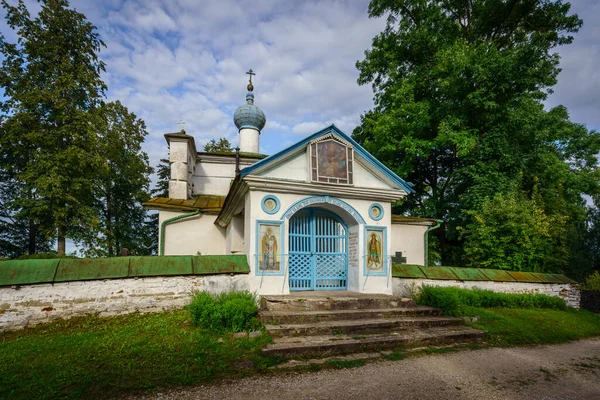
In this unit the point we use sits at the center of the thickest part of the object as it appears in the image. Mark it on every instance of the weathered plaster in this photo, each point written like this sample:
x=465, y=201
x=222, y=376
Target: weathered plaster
x=33, y=304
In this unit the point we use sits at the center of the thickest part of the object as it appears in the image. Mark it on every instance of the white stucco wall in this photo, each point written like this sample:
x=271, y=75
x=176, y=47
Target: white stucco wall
x=569, y=292
x=296, y=168
x=364, y=178
x=213, y=178
x=410, y=240
x=249, y=140
x=234, y=241
x=193, y=235
x=182, y=167
x=32, y=304
x=213, y=174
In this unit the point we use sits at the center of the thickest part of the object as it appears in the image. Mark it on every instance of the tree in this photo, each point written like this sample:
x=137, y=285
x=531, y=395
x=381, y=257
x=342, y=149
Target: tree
x=458, y=89
x=18, y=235
x=511, y=231
x=163, y=173
x=121, y=185
x=222, y=145
x=52, y=85
x=593, y=234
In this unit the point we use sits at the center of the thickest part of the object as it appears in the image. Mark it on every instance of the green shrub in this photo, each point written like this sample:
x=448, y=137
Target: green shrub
x=451, y=300
x=225, y=312
x=592, y=282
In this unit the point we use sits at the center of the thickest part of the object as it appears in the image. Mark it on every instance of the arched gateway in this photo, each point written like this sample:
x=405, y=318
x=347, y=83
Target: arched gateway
x=318, y=256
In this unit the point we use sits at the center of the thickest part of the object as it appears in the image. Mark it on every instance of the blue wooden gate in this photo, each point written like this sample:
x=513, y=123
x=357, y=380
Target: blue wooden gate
x=318, y=257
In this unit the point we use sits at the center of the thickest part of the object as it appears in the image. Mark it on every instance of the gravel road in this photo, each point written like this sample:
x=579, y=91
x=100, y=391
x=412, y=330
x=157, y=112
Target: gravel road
x=566, y=371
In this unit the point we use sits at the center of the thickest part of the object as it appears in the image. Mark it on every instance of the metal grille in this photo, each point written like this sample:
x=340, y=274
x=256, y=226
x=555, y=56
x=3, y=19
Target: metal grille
x=318, y=258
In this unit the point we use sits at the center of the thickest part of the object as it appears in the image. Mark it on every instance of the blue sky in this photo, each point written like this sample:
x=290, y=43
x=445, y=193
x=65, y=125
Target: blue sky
x=186, y=60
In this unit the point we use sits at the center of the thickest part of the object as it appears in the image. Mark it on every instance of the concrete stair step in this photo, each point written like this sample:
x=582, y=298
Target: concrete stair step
x=320, y=302
x=291, y=317
x=325, y=345
x=357, y=326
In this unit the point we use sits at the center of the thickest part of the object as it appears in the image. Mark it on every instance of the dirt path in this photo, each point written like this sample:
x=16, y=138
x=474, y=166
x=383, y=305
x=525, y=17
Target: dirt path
x=567, y=371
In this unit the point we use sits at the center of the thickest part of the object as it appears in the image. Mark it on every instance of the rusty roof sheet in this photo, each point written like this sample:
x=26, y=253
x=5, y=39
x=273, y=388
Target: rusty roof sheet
x=207, y=203
x=524, y=277
x=498, y=275
x=407, y=271
x=470, y=274
x=401, y=219
x=439, y=273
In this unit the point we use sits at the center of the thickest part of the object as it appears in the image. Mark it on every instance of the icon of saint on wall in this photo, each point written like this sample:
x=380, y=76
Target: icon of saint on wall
x=374, y=251
x=333, y=160
x=269, y=258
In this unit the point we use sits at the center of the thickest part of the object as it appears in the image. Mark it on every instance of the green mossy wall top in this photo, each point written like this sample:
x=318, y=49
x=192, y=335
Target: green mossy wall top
x=26, y=272
x=474, y=274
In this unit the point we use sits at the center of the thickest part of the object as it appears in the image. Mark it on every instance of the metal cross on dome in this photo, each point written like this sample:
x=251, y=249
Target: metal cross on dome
x=250, y=86
x=181, y=123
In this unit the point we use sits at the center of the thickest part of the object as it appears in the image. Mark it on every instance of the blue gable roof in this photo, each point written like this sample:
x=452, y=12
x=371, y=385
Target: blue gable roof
x=330, y=129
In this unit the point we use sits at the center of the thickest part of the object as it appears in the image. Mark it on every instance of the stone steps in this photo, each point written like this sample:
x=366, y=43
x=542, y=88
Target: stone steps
x=325, y=323
x=341, y=344
x=353, y=326
x=347, y=302
x=289, y=317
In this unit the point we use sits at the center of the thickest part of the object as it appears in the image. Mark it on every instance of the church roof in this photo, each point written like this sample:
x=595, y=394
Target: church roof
x=404, y=220
x=206, y=203
x=406, y=186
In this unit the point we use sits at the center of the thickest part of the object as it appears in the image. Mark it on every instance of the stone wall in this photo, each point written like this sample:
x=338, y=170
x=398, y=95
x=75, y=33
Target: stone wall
x=568, y=291
x=27, y=305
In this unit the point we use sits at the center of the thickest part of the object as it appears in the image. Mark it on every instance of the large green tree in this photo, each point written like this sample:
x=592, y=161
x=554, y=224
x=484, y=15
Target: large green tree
x=121, y=184
x=52, y=86
x=458, y=89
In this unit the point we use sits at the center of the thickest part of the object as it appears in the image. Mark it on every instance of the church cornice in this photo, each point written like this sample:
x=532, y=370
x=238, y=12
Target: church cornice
x=234, y=202
x=302, y=187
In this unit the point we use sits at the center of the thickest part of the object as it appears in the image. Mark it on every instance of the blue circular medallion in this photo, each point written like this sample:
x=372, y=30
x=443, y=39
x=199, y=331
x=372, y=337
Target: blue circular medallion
x=375, y=211
x=270, y=204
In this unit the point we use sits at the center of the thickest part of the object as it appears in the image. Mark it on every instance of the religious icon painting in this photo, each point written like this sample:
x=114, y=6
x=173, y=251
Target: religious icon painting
x=375, y=256
x=331, y=162
x=269, y=247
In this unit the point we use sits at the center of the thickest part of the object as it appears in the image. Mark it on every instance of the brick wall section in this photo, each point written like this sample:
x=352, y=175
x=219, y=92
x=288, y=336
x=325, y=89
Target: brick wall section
x=568, y=291
x=27, y=305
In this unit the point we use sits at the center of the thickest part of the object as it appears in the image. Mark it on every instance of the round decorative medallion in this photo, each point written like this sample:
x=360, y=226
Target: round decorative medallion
x=270, y=204
x=376, y=212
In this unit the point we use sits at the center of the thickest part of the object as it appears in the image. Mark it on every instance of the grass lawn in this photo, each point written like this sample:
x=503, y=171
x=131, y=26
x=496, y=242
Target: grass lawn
x=98, y=357
x=517, y=326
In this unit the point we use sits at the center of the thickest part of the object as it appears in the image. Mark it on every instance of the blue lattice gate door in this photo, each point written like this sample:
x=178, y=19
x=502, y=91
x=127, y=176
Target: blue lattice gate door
x=318, y=258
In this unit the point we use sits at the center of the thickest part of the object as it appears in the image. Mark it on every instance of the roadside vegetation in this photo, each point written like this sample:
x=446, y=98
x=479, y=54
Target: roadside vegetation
x=514, y=319
x=96, y=357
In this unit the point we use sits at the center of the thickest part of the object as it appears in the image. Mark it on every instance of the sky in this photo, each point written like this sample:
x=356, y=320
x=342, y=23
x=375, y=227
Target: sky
x=176, y=60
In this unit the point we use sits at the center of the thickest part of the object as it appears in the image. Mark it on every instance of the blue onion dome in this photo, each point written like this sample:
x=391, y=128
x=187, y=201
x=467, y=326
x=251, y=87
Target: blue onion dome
x=249, y=115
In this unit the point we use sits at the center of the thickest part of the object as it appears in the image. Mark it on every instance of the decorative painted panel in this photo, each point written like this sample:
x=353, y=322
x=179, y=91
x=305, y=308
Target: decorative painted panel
x=269, y=248
x=375, y=251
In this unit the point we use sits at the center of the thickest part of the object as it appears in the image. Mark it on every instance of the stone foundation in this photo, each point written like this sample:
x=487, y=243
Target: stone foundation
x=22, y=306
x=569, y=292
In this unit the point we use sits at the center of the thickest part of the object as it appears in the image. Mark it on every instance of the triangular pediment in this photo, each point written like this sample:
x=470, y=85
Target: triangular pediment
x=328, y=157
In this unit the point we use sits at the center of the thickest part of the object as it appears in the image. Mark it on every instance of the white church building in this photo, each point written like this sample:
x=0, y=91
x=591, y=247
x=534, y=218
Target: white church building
x=314, y=216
